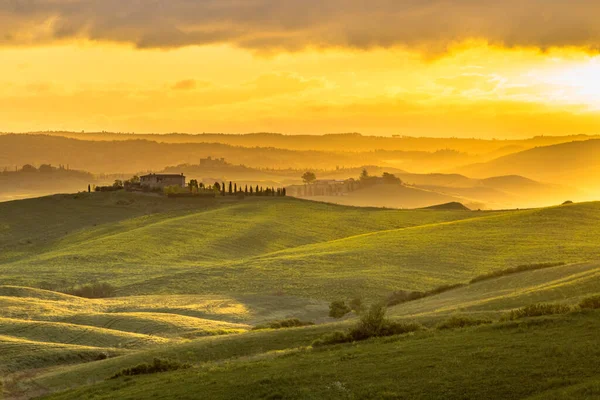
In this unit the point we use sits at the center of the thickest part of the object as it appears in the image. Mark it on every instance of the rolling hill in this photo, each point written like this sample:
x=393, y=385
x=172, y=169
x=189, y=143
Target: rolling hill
x=193, y=277
x=575, y=164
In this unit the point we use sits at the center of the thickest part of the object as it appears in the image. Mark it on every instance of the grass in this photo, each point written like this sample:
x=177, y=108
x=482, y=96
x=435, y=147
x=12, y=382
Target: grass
x=193, y=277
x=146, y=254
x=560, y=355
x=565, y=284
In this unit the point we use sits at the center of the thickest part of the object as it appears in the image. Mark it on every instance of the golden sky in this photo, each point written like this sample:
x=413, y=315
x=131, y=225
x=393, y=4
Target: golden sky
x=420, y=68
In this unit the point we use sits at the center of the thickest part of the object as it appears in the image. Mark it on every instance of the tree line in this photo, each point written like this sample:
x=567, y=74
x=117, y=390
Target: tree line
x=233, y=189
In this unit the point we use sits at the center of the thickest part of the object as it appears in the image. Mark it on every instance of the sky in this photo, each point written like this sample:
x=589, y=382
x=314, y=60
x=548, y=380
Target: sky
x=465, y=68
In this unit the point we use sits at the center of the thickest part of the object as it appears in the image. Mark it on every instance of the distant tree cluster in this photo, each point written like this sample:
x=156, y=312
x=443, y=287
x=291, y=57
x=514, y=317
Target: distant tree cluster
x=235, y=189
x=116, y=186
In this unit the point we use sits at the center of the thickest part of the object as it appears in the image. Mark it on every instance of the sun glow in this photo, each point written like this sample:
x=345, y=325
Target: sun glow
x=580, y=82
x=475, y=89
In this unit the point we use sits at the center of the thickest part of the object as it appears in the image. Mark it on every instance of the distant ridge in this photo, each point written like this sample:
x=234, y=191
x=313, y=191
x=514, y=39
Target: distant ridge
x=453, y=206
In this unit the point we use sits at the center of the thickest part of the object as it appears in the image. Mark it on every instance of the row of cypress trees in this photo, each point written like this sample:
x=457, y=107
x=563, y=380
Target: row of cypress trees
x=235, y=189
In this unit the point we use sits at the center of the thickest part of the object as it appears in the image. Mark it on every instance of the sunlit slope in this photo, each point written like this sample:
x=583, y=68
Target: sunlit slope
x=560, y=284
x=510, y=360
x=222, y=231
x=428, y=256
x=32, y=226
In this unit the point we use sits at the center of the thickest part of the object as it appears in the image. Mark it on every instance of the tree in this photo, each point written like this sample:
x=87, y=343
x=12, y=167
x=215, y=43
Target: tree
x=193, y=184
x=246, y=189
x=257, y=191
x=135, y=179
x=390, y=179
x=284, y=192
x=230, y=188
x=337, y=309
x=251, y=191
x=28, y=168
x=309, y=177
x=217, y=186
x=364, y=174
x=46, y=168
x=89, y=188
x=235, y=187
x=118, y=183
x=223, y=189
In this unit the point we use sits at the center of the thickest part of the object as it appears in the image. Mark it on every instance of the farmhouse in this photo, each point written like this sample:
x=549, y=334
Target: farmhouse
x=162, y=180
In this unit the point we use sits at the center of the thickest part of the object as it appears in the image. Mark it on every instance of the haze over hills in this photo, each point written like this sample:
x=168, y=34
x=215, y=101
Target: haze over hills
x=132, y=156
x=281, y=167
x=339, y=142
x=574, y=163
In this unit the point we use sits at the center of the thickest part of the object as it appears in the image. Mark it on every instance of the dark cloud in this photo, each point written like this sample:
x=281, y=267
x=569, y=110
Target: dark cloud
x=430, y=25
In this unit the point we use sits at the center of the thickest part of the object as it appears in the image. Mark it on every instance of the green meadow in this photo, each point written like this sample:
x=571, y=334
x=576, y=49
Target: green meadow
x=193, y=278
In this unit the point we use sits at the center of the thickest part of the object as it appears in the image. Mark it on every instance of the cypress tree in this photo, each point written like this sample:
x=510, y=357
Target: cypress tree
x=235, y=187
x=257, y=191
x=230, y=189
x=251, y=190
x=246, y=189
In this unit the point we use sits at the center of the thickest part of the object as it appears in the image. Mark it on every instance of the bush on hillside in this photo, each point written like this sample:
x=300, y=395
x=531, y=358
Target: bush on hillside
x=462, y=322
x=591, y=302
x=538, y=310
x=357, y=305
x=338, y=308
x=514, y=270
x=96, y=290
x=286, y=323
x=403, y=296
x=157, y=366
x=372, y=324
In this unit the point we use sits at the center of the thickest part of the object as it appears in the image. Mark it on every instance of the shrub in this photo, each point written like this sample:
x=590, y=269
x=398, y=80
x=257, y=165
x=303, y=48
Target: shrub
x=590, y=302
x=286, y=323
x=357, y=305
x=332, y=338
x=372, y=324
x=537, y=310
x=403, y=296
x=338, y=309
x=462, y=322
x=157, y=366
x=514, y=270
x=96, y=290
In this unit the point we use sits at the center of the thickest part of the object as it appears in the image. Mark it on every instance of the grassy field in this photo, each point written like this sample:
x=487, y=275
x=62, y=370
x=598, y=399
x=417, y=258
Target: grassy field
x=193, y=277
x=549, y=356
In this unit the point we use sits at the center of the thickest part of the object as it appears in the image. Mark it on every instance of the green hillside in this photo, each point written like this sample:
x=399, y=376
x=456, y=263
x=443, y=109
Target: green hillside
x=194, y=277
x=548, y=356
x=127, y=239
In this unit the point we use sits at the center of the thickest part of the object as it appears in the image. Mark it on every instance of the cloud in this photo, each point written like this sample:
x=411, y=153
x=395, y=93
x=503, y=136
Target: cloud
x=187, y=84
x=267, y=25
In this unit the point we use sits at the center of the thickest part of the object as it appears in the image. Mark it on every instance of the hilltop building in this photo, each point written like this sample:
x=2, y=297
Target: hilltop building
x=162, y=180
x=213, y=162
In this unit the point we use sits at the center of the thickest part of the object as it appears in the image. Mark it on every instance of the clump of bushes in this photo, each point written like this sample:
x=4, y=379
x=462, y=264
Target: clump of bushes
x=96, y=290
x=591, y=302
x=403, y=296
x=538, y=310
x=285, y=323
x=514, y=270
x=373, y=323
x=338, y=308
x=158, y=365
x=462, y=322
